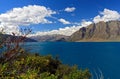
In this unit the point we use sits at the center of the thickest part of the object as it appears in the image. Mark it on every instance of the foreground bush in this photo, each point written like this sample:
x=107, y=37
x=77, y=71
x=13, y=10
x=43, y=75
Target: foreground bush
x=34, y=66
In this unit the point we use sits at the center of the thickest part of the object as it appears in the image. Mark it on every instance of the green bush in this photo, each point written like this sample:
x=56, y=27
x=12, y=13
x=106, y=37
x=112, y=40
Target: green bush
x=33, y=66
x=30, y=66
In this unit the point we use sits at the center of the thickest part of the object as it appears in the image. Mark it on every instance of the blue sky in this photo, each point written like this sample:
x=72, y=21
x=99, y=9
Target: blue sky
x=64, y=14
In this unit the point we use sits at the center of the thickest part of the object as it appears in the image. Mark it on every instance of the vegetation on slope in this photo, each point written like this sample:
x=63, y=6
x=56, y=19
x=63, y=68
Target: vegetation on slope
x=34, y=66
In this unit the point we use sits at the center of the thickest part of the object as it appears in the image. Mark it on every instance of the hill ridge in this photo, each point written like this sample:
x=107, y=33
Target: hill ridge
x=102, y=31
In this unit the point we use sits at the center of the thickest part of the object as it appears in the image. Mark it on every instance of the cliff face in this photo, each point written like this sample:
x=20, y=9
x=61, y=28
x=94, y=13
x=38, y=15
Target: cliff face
x=102, y=31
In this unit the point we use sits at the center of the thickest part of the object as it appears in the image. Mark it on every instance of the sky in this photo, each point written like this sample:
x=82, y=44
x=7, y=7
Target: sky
x=46, y=17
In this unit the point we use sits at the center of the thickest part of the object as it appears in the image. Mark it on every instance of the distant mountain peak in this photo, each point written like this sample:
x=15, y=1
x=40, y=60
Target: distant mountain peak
x=54, y=37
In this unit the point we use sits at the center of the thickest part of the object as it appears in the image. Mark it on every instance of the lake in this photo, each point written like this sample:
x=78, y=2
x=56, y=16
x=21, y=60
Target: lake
x=102, y=58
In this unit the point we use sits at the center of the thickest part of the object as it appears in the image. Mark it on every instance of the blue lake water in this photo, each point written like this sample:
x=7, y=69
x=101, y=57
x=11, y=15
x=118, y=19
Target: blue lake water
x=101, y=58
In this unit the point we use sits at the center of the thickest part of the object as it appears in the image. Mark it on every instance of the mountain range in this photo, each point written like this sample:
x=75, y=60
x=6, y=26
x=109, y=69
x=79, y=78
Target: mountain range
x=102, y=31
x=4, y=36
x=50, y=38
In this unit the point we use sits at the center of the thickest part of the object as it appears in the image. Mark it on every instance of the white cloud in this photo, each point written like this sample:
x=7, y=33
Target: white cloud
x=107, y=15
x=34, y=14
x=64, y=31
x=70, y=9
x=63, y=21
x=85, y=23
x=27, y=15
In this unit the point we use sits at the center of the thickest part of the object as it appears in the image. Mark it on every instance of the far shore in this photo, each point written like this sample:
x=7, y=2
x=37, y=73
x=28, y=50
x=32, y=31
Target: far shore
x=98, y=41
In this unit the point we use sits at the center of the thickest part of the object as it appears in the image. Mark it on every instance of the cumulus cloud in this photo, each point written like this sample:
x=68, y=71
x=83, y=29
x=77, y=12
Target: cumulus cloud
x=70, y=9
x=107, y=15
x=85, y=23
x=64, y=31
x=64, y=21
x=34, y=14
x=27, y=15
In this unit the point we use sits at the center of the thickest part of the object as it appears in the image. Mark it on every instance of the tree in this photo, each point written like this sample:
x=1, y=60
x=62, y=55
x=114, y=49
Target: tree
x=12, y=44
